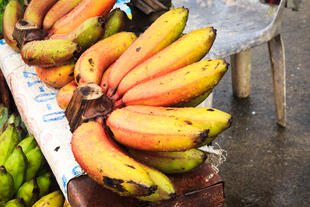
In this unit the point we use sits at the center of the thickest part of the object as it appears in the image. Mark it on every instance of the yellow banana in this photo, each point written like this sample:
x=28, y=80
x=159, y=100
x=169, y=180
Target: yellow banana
x=165, y=189
x=54, y=199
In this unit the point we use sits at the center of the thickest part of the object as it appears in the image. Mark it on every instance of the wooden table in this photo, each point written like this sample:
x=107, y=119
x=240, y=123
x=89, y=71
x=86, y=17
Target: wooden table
x=201, y=187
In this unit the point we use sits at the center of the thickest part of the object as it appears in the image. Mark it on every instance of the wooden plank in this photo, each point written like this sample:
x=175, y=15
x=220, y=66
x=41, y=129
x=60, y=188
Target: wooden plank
x=241, y=73
x=277, y=59
x=200, y=187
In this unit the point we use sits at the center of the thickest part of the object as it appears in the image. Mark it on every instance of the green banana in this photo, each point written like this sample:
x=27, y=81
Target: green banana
x=115, y=22
x=54, y=199
x=8, y=141
x=16, y=165
x=165, y=189
x=28, y=144
x=4, y=113
x=44, y=183
x=6, y=186
x=29, y=192
x=15, y=203
x=171, y=162
x=49, y=53
x=88, y=33
x=35, y=160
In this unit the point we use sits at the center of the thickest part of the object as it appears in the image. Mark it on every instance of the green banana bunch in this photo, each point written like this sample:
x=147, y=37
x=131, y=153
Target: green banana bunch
x=16, y=165
x=35, y=160
x=8, y=141
x=6, y=186
x=28, y=144
x=29, y=192
x=15, y=203
x=44, y=182
x=54, y=199
x=171, y=162
x=4, y=113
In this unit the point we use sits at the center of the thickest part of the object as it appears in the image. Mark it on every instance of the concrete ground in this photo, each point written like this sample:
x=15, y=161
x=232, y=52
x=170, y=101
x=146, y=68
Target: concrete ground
x=268, y=165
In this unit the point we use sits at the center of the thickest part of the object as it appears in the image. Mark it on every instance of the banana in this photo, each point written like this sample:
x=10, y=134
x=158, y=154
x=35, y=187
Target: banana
x=28, y=144
x=186, y=50
x=104, y=80
x=85, y=35
x=29, y=192
x=12, y=13
x=171, y=162
x=36, y=11
x=6, y=186
x=8, y=139
x=165, y=189
x=66, y=204
x=83, y=11
x=115, y=22
x=54, y=199
x=195, y=101
x=48, y=53
x=4, y=115
x=58, y=10
x=182, y=85
x=15, y=203
x=176, y=131
x=214, y=120
x=16, y=165
x=44, y=182
x=64, y=95
x=35, y=160
x=160, y=34
x=58, y=76
x=92, y=63
x=107, y=164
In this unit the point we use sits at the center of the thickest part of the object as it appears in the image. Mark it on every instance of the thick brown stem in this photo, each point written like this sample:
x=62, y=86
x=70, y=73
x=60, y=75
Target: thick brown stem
x=26, y=32
x=88, y=102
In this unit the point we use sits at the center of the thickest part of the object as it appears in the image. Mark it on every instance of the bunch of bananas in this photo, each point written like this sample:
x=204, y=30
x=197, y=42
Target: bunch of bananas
x=67, y=27
x=154, y=80
x=154, y=84
x=24, y=175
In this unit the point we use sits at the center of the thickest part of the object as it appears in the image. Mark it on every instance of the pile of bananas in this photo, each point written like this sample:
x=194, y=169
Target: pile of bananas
x=154, y=81
x=24, y=175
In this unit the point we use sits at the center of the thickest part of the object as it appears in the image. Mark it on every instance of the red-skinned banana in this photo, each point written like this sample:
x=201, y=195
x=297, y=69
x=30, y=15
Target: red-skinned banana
x=107, y=164
x=166, y=129
x=92, y=63
x=159, y=35
x=36, y=11
x=188, y=49
x=182, y=85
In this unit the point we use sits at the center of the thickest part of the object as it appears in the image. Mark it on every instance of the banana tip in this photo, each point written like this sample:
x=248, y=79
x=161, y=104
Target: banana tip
x=214, y=30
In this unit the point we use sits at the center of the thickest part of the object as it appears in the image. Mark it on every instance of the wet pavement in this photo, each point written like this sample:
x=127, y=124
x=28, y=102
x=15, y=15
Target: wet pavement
x=268, y=165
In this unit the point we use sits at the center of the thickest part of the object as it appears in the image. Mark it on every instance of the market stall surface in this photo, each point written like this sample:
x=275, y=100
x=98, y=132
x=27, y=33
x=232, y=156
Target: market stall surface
x=268, y=165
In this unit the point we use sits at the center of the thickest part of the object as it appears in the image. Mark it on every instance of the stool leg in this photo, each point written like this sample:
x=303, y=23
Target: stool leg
x=277, y=59
x=241, y=73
